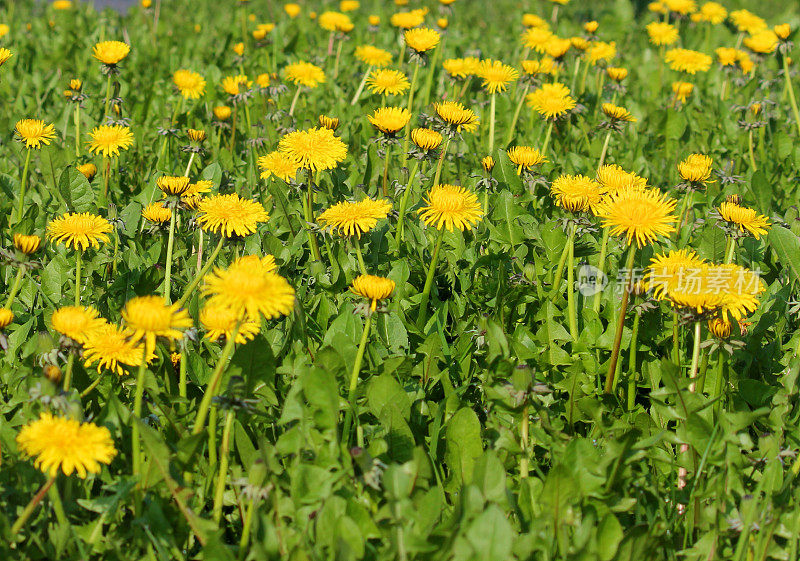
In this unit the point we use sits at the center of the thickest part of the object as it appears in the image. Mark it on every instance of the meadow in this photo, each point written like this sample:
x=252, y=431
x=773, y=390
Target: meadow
x=409, y=279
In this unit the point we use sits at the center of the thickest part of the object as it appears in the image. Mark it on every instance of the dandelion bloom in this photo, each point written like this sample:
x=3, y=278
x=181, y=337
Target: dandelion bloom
x=279, y=165
x=34, y=132
x=315, y=149
x=230, y=215
x=407, y=20
x=661, y=33
x=544, y=65
x=682, y=7
x=532, y=20
x=27, y=244
x=747, y=21
x=349, y=5
x=335, y=21
x=487, y=163
x=60, y=443
x=79, y=230
x=330, y=123
x=220, y=321
x=387, y=82
x=250, y=287
x=426, y=139
x=111, y=347
x=696, y=168
x=682, y=90
x=191, y=85
x=536, y=38
x=421, y=39
x=613, y=178
x=601, y=51
x=456, y=115
x=525, y=157
x=111, y=52
x=687, y=60
x=172, y=185
x=108, y=140
x=577, y=193
x=156, y=213
x=373, y=56
x=222, y=112
x=616, y=73
x=783, y=31
x=148, y=317
x=390, y=120
x=638, y=214
x=745, y=219
x=720, y=327
x=5, y=55
x=495, y=75
x=194, y=193
x=551, y=101
x=762, y=42
x=354, y=219
x=591, y=26
x=461, y=67
x=711, y=12
x=234, y=85
x=451, y=206
x=89, y=170
x=77, y=322
x=668, y=270
x=557, y=47
x=731, y=289
x=617, y=113
x=195, y=135
x=6, y=317
x=292, y=9
x=373, y=288
x=304, y=74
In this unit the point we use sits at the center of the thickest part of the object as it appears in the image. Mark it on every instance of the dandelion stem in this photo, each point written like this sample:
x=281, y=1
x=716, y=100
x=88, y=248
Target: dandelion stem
x=248, y=521
x=309, y=217
x=201, y=273
x=92, y=386
x=492, y=106
x=182, y=373
x=361, y=266
x=137, y=412
x=404, y=201
x=426, y=291
x=695, y=355
x=68, y=371
x=352, y=414
x=438, y=173
x=108, y=95
x=572, y=320
x=222, y=475
x=189, y=165
x=601, y=269
x=753, y=166
x=414, y=77
x=632, y=364
x=23, y=185
x=168, y=265
x=523, y=461
x=78, y=261
x=790, y=87
x=515, y=118
x=106, y=174
x=213, y=384
x=294, y=101
x=730, y=248
x=15, y=287
x=547, y=136
x=386, y=157
x=718, y=382
x=78, y=129
x=360, y=89
x=336, y=62
x=604, y=151
x=623, y=309
x=31, y=506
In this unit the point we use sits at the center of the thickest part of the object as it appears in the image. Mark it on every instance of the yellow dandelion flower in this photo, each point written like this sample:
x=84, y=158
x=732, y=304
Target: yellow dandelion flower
x=407, y=20
x=373, y=56
x=614, y=179
x=551, y=101
x=451, y=206
x=638, y=214
x=662, y=33
x=495, y=75
x=5, y=55
x=696, y=168
x=577, y=193
x=111, y=348
x=525, y=157
x=373, y=288
x=304, y=74
x=712, y=12
x=111, y=52
x=27, y=244
x=387, y=82
x=746, y=21
x=544, y=65
x=89, y=170
x=601, y=51
x=108, y=140
x=461, y=67
x=487, y=163
x=235, y=85
x=190, y=85
x=34, y=132
x=354, y=219
x=230, y=215
x=682, y=90
x=687, y=60
x=668, y=271
x=61, y=443
x=762, y=42
x=557, y=47
x=421, y=39
x=617, y=113
x=390, y=120
x=616, y=73
x=156, y=213
x=278, y=164
x=77, y=322
x=222, y=112
x=746, y=219
x=79, y=230
x=220, y=321
x=315, y=149
x=335, y=21
x=292, y=9
x=172, y=185
x=330, y=123
x=536, y=38
x=148, y=317
x=6, y=317
x=426, y=139
x=456, y=115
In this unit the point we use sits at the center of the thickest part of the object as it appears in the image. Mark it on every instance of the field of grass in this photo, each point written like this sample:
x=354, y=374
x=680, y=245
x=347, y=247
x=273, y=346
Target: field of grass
x=538, y=300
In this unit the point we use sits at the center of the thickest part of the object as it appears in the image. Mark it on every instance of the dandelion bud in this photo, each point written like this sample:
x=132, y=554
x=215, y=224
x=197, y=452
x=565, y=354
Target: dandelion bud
x=52, y=373
x=147, y=3
x=75, y=85
x=782, y=31
x=488, y=164
x=590, y=26
x=222, y=112
x=720, y=327
x=374, y=20
x=735, y=199
x=330, y=123
x=173, y=185
x=27, y=244
x=238, y=48
x=195, y=135
x=6, y=317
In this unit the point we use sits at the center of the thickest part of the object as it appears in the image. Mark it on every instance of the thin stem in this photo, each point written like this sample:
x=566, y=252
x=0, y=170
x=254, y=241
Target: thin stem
x=438, y=173
x=523, y=430
x=604, y=151
x=294, y=101
x=23, y=185
x=31, y=506
x=623, y=309
x=404, y=201
x=189, y=165
x=492, y=106
x=336, y=62
x=309, y=216
x=515, y=118
x=730, y=248
x=137, y=412
x=92, y=386
x=601, y=269
x=78, y=260
x=77, y=130
x=222, y=475
x=695, y=355
x=168, y=264
x=15, y=287
x=361, y=85
x=361, y=266
x=68, y=371
x=351, y=394
x=182, y=373
x=426, y=291
x=562, y=261
x=753, y=166
x=106, y=175
x=213, y=384
x=409, y=107
x=571, y=313
x=386, y=157
x=201, y=273
x=718, y=382
x=248, y=522
x=108, y=95
x=547, y=138
x=632, y=364
x=790, y=87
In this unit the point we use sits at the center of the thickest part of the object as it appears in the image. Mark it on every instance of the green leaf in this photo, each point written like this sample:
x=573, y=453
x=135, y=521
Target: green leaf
x=609, y=534
x=75, y=192
x=763, y=191
x=787, y=245
x=464, y=446
x=491, y=535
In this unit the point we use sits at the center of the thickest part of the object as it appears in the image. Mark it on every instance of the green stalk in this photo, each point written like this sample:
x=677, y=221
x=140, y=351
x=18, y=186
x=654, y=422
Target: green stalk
x=248, y=522
x=676, y=340
x=361, y=86
x=182, y=374
x=224, y=452
x=15, y=287
x=695, y=355
x=562, y=261
x=547, y=138
x=137, y=412
x=31, y=506
x=604, y=151
x=515, y=118
x=601, y=266
x=213, y=384
x=386, y=157
x=201, y=273
x=309, y=217
x=361, y=266
x=92, y=386
x=438, y=173
x=623, y=309
x=632, y=364
x=78, y=255
x=730, y=248
x=718, y=383
x=168, y=264
x=351, y=394
x=409, y=107
x=294, y=101
x=68, y=371
x=108, y=95
x=23, y=185
x=336, y=62
x=77, y=130
x=189, y=165
x=492, y=104
x=753, y=166
x=523, y=461
x=404, y=201
x=792, y=98
x=426, y=291
x=573, y=320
